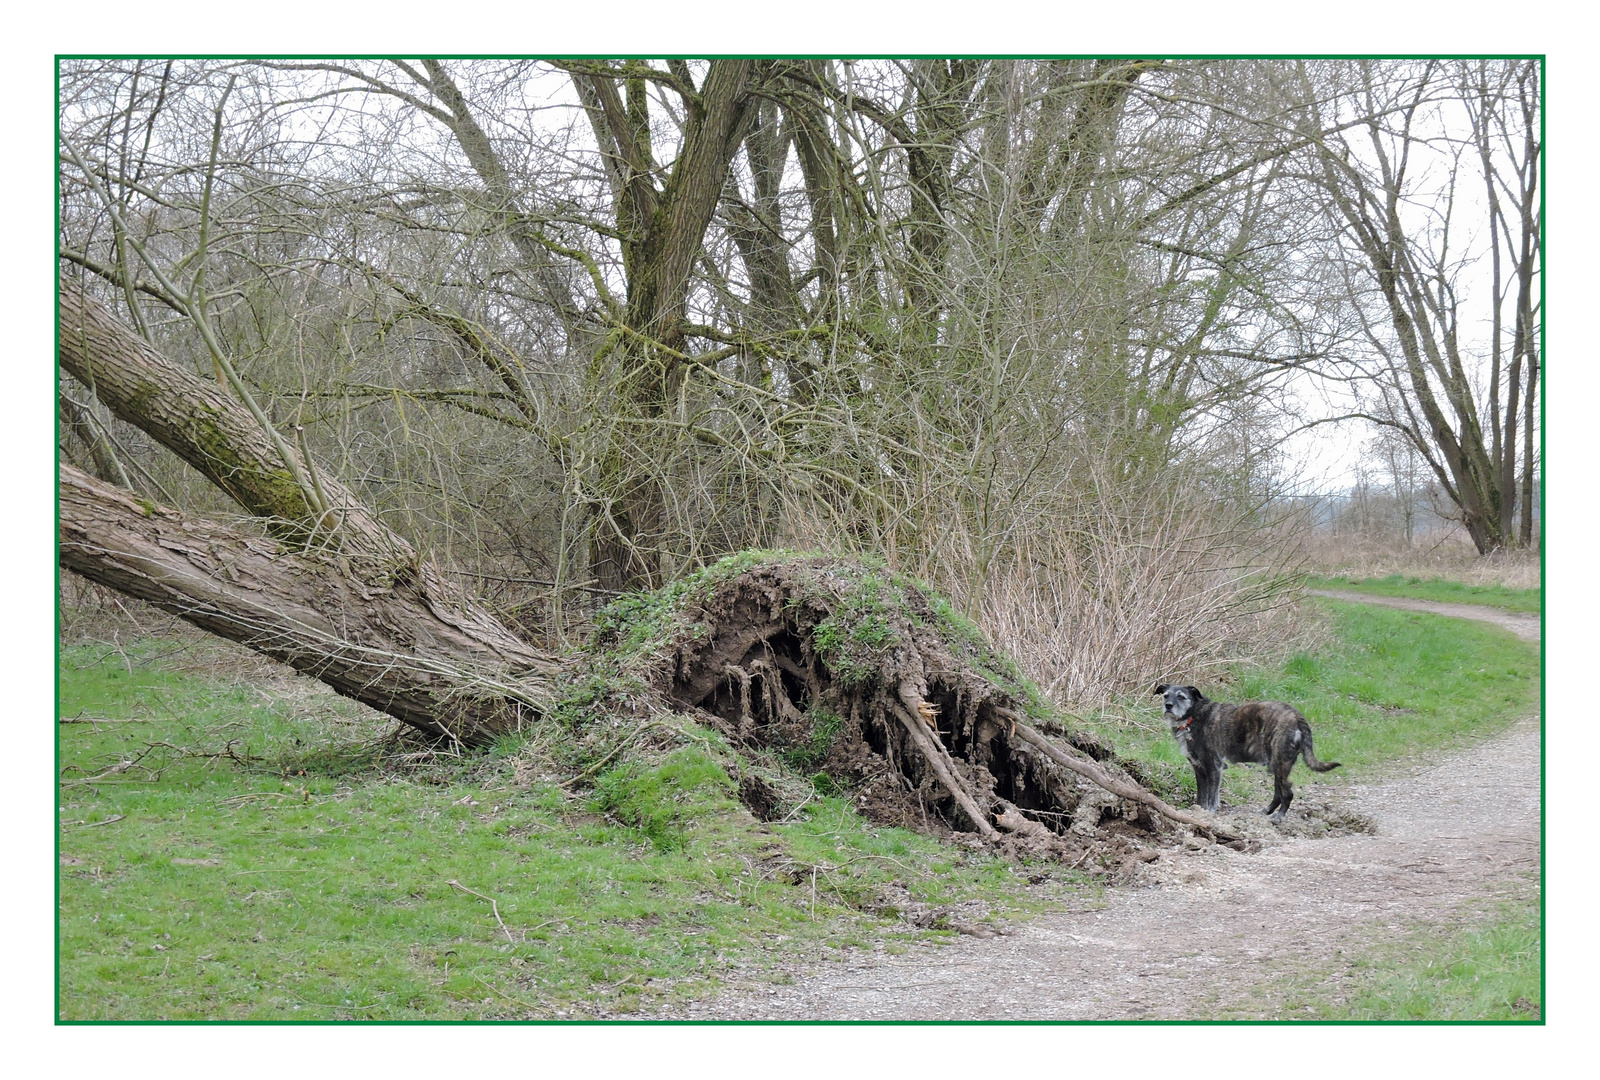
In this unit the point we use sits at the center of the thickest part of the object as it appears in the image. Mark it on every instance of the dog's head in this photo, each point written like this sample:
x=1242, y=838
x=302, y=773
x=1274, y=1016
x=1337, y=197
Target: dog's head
x=1181, y=701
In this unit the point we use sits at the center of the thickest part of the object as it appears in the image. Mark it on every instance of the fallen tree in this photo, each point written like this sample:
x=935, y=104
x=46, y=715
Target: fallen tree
x=324, y=585
x=381, y=642
x=868, y=677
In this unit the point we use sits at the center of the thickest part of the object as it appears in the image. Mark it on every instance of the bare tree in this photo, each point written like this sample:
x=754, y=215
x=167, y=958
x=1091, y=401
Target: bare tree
x=1398, y=185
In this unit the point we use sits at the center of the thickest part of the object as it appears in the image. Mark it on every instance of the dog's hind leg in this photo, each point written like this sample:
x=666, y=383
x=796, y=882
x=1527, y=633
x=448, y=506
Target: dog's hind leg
x=1282, y=794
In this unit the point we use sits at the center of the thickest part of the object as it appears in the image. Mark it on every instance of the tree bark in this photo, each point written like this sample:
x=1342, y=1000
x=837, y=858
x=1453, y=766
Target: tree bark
x=339, y=596
x=384, y=645
x=664, y=230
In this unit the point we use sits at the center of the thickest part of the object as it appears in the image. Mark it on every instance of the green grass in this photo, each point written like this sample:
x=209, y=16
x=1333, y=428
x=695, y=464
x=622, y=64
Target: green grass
x=1394, y=686
x=1487, y=971
x=308, y=877
x=1449, y=592
x=1485, y=966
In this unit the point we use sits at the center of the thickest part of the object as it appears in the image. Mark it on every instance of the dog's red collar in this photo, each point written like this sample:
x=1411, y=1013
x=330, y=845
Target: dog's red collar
x=1187, y=720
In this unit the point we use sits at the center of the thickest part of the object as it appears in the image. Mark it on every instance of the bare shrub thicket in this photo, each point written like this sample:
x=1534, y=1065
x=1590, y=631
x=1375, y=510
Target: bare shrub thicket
x=1100, y=590
x=1446, y=552
x=1092, y=611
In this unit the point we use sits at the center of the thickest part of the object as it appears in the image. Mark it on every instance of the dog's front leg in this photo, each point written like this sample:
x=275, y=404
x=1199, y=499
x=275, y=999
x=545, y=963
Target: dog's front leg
x=1208, y=785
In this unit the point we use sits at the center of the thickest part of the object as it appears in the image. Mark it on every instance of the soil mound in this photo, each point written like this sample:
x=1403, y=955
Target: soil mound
x=868, y=684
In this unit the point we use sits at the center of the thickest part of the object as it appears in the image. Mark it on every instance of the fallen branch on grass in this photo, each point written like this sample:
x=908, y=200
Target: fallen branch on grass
x=103, y=821
x=82, y=719
x=494, y=907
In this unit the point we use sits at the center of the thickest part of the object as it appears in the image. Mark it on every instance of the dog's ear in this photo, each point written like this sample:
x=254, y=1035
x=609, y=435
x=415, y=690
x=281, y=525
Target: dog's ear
x=1161, y=688
x=1194, y=692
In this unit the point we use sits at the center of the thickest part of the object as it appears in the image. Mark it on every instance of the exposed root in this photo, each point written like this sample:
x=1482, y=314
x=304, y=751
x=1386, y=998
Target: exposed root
x=1126, y=789
x=935, y=755
x=871, y=683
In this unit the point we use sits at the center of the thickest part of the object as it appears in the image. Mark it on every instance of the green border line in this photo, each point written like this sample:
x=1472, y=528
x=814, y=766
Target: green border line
x=1544, y=384
x=1542, y=58
x=55, y=540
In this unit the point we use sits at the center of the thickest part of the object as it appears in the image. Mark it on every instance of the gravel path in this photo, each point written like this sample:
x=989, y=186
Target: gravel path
x=1213, y=933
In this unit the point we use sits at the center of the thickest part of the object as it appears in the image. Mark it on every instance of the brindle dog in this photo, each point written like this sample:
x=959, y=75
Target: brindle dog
x=1211, y=734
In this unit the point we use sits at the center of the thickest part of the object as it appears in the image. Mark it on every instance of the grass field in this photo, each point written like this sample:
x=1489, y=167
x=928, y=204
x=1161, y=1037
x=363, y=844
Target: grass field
x=257, y=860
x=1484, y=969
x=234, y=846
x=1448, y=592
x=1482, y=965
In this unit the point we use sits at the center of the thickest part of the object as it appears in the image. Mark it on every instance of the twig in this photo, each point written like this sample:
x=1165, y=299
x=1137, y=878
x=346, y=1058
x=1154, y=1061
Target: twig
x=887, y=858
x=102, y=777
x=240, y=800
x=588, y=586
x=242, y=873
x=104, y=821
x=494, y=907
x=82, y=719
x=592, y=769
x=487, y=985
x=790, y=815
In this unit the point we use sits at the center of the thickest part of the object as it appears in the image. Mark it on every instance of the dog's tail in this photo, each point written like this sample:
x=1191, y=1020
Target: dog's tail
x=1310, y=758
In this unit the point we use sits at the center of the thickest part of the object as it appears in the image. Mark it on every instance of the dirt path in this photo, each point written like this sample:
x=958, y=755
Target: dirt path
x=1522, y=624
x=1215, y=933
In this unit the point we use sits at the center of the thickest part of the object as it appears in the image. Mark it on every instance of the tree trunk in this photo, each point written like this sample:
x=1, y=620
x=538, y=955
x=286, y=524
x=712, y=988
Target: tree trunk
x=384, y=645
x=1415, y=274
x=665, y=229
x=198, y=420
x=944, y=89
x=339, y=596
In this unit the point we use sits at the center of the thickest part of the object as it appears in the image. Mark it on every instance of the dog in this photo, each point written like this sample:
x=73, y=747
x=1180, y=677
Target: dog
x=1211, y=734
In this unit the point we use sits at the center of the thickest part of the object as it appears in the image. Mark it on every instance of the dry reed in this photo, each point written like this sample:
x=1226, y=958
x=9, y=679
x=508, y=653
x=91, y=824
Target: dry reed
x=1444, y=552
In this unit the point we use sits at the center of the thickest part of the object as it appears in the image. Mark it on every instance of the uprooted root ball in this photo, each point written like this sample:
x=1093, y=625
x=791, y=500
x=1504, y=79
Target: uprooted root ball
x=870, y=685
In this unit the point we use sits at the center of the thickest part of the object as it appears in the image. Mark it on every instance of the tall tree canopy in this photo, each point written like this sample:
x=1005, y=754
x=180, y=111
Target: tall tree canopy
x=508, y=331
